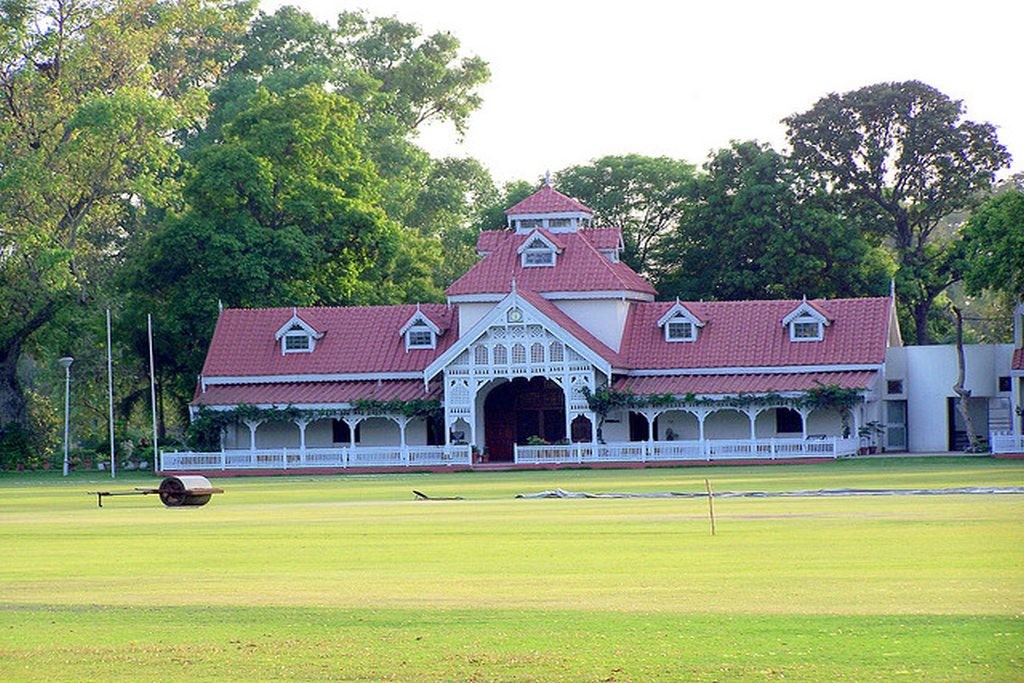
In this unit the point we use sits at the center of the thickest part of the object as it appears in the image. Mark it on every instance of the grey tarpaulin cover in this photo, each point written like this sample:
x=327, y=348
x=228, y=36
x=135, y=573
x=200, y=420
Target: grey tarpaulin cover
x=988, y=490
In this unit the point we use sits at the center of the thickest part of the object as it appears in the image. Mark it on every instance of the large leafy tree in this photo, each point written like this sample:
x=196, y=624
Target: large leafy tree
x=903, y=157
x=305, y=224
x=645, y=196
x=285, y=211
x=993, y=245
x=401, y=79
x=448, y=210
x=91, y=93
x=756, y=228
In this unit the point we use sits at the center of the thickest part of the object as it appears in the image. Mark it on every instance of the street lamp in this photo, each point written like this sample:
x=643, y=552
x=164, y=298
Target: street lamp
x=66, y=364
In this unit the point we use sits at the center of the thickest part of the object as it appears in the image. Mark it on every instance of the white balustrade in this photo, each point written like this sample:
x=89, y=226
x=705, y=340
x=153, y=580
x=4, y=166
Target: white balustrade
x=313, y=458
x=549, y=454
x=681, y=451
x=1006, y=442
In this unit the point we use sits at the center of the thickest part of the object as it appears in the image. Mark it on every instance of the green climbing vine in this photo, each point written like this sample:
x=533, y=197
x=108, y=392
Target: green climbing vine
x=605, y=400
x=203, y=433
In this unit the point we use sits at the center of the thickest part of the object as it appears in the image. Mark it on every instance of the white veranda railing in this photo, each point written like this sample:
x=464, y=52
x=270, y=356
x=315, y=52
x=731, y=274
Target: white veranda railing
x=1006, y=442
x=708, y=450
x=581, y=453
x=285, y=458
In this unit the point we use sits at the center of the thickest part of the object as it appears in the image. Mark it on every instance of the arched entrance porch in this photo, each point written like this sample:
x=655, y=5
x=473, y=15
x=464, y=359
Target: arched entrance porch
x=520, y=409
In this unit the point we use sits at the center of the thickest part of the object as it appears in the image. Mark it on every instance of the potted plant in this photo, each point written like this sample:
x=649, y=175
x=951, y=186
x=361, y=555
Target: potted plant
x=869, y=434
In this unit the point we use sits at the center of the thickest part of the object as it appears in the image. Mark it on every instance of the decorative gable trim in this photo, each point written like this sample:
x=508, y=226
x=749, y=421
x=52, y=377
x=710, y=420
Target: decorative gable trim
x=420, y=331
x=805, y=308
x=806, y=323
x=297, y=336
x=680, y=324
x=502, y=314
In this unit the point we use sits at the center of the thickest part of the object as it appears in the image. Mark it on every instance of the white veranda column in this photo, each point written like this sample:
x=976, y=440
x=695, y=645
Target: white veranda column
x=752, y=415
x=302, y=423
x=804, y=413
x=252, y=424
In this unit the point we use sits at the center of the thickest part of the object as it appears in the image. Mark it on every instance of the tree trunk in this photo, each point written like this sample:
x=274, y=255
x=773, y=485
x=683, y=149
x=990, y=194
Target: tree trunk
x=921, y=310
x=12, y=398
x=963, y=403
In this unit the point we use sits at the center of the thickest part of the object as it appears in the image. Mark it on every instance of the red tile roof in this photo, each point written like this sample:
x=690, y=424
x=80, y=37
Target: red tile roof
x=760, y=383
x=600, y=238
x=1018, y=360
x=751, y=334
x=355, y=340
x=304, y=393
x=571, y=326
x=603, y=238
x=579, y=268
x=547, y=200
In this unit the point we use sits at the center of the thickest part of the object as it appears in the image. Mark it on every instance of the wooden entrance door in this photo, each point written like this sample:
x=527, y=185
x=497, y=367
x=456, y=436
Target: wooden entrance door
x=520, y=409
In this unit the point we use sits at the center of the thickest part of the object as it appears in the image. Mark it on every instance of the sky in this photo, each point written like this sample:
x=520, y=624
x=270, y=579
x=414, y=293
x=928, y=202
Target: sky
x=572, y=81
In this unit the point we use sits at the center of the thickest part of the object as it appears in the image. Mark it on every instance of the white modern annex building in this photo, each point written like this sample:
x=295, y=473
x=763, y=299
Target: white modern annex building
x=551, y=350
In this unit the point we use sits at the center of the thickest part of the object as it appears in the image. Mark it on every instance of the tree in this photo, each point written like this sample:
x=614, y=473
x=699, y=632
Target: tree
x=757, y=228
x=993, y=245
x=284, y=212
x=401, y=79
x=491, y=216
x=448, y=209
x=92, y=92
x=389, y=68
x=902, y=157
x=645, y=196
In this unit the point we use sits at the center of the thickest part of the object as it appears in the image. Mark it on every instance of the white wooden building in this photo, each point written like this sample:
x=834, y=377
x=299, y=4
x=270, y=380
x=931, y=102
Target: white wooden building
x=513, y=368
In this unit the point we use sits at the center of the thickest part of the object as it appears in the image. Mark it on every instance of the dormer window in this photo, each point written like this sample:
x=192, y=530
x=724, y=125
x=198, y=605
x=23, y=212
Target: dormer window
x=297, y=336
x=539, y=257
x=538, y=252
x=297, y=340
x=420, y=332
x=419, y=337
x=805, y=329
x=680, y=324
x=806, y=323
x=680, y=329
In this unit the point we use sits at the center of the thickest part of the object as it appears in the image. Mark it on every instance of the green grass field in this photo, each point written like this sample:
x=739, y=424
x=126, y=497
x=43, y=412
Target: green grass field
x=350, y=578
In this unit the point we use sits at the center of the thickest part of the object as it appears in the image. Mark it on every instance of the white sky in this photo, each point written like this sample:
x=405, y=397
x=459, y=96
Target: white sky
x=575, y=80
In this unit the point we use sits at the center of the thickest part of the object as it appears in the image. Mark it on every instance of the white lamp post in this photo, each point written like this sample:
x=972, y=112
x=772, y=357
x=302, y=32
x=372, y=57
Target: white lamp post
x=66, y=364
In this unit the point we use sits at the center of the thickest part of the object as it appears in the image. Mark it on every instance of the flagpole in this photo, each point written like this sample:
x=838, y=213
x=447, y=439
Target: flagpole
x=110, y=394
x=152, y=390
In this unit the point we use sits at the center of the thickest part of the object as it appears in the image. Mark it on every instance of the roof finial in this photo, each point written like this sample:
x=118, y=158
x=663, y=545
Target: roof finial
x=892, y=288
x=513, y=285
x=547, y=178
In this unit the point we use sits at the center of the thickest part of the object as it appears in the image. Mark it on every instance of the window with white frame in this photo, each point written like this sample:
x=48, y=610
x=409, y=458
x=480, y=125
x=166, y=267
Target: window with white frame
x=500, y=355
x=680, y=329
x=419, y=336
x=297, y=340
x=538, y=253
x=518, y=354
x=480, y=355
x=805, y=328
